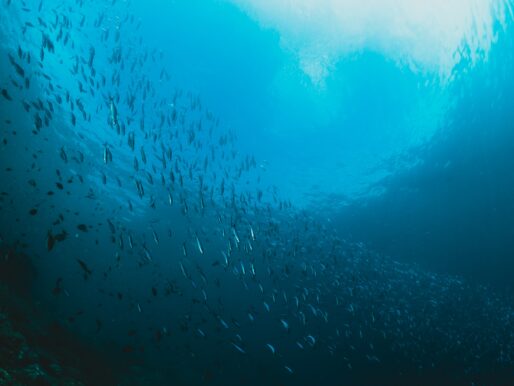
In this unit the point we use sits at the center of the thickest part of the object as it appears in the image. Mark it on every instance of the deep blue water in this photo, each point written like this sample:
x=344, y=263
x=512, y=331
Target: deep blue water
x=248, y=193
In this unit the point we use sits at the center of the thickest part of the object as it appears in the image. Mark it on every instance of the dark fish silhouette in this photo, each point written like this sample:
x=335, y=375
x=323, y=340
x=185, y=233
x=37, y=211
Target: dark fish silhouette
x=87, y=272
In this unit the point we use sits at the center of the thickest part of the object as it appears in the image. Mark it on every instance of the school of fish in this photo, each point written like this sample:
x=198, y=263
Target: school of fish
x=154, y=233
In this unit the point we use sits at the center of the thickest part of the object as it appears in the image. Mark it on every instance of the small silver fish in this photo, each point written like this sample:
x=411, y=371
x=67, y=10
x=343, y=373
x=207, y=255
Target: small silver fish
x=238, y=348
x=199, y=245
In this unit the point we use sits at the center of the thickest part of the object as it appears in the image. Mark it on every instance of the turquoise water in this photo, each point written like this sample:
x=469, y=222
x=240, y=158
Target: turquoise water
x=256, y=192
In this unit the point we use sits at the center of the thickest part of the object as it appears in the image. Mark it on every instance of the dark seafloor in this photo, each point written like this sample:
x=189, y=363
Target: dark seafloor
x=142, y=244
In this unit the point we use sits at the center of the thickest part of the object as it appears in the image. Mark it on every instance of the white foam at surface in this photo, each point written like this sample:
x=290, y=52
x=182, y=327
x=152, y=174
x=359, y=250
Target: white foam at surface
x=429, y=36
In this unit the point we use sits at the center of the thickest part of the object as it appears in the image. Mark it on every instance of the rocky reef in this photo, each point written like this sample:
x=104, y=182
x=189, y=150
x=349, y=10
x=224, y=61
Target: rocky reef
x=35, y=349
x=23, y=363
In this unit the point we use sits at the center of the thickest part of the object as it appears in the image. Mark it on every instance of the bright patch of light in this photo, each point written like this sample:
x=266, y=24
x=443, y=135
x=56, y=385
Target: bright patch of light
x=428, y=36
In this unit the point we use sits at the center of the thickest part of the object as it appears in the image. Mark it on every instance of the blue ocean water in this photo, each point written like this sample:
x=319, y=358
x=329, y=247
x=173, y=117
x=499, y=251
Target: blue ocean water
x=239, y=192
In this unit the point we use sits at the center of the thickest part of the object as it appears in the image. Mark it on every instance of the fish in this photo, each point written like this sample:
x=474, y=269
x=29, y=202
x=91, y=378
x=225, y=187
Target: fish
x=238, y=348
x=225, y=258
x=155, y=237
x=63, y=154
x=47, y=43
x=236, y=237
x=19, y=70
x=107, y=155
x=311, y=340
x=113, y=114
x=143, y=155
x=183, y=270
x=87, y=272
x=52, y=239
x=147, y=254
x=91, y=56
x=199, y=245
x=223, y=323
x=6, y=95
